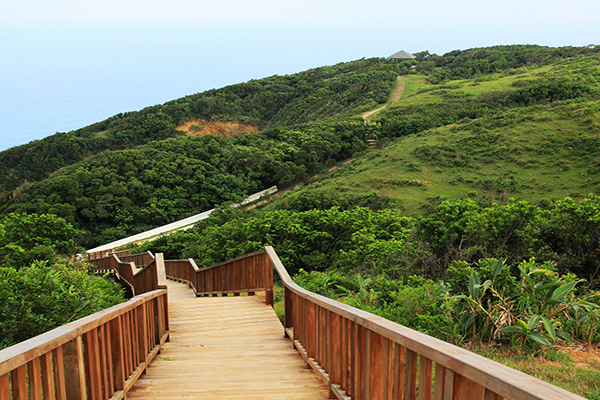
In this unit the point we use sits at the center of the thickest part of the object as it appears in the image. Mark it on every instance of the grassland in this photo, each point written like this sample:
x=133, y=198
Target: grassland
x=545, y=151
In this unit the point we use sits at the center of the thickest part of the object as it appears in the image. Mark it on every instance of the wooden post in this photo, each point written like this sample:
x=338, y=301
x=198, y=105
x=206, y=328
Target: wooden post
x=19, y=383
x=289, y=308
x=378, y=367
x=268, y=281
x=59, y=373
x=117, y=353
x=335, y=373
x=35, y=379
x=48, y=377
x=410, y=382
x=4, y=387
x=74, y=370
x=425, y=378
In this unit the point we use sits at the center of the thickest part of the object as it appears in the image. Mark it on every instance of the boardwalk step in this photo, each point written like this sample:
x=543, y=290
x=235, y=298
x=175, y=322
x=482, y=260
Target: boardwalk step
x=226, y=348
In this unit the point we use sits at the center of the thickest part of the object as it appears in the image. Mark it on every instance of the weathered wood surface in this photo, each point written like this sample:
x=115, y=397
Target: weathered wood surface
x=226, y=348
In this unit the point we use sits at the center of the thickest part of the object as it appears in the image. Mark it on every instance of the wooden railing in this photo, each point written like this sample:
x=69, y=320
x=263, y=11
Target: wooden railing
x=364, y=356
x=140, y=260
x=96, y=357
x=150, y=277
x=247, y=274
x=104, y=253
x=361, y=355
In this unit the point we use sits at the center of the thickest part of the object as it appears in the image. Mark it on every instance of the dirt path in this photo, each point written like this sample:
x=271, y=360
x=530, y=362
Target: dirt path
x=394, y=97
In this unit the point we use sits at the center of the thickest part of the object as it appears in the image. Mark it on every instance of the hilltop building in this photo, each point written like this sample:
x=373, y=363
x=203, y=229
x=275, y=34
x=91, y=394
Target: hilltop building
x=402, y=55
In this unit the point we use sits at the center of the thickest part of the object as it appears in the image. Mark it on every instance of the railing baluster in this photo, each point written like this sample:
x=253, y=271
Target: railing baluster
x=74, y=369
x=466, y=389
x=35, y=379
x=59, y=373
x=5, y=387
x=378, y=364
x=19, y=383
x=425, y=378
x=47, y=377
x=449, y=385
x=440, y=379
x=410, y=382
x=93, y=365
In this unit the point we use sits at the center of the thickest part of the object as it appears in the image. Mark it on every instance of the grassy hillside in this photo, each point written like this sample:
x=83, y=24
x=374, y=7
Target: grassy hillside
x=549, y=149
x=493, y=123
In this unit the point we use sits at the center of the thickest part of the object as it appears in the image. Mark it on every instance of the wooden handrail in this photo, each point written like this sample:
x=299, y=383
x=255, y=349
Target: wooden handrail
x=150, y=277
x=365, y=356
x=140, y=260
x=246, y=274
x=96, y=357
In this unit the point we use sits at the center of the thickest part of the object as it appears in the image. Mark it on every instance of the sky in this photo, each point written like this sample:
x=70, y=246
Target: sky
x=65, y=64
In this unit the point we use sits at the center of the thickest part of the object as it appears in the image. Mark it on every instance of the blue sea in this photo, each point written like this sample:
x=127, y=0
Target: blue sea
x=61, y=78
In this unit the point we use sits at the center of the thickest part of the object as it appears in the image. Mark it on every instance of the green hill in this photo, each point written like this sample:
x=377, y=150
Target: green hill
x=499, y=122
x=532, y=134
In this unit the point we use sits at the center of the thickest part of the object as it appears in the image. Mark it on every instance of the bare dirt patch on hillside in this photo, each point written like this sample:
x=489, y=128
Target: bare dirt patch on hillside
x=200, y=127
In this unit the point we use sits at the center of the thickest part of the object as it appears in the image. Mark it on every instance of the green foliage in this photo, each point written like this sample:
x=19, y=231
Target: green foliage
x=42, y=296
x=120, y=193
x=28, y=237
x=269, y=103
x=538, y=310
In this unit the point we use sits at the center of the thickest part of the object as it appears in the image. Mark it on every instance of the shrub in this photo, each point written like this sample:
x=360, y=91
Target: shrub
x=41, y=297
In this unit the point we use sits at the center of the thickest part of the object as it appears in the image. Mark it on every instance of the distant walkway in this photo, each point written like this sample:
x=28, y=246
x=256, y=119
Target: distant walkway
x=394, y=97
x=226, y=348
x=183, y=224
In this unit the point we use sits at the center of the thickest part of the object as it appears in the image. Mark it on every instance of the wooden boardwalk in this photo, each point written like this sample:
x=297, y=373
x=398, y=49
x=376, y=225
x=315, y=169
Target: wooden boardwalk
x=226, y=348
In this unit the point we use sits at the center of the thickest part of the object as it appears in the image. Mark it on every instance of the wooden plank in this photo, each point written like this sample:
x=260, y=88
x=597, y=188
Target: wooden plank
x=366, y=363
x=59, y=374
x=312, y=327
x=142, y=333
x=388, y=348
x=466, y=389
x=117, y=356
x=48, y=377
x=19, y=383
x=489, y=395
x=399, y=370
x=105, y=366
x=425, y=378
x=410, y=382
x=74, y=370
x=34, y=371
x=449, y=385
x=206, y=358
x=355, y=355
x=378, y=367
x=440, y=379
x=336, y=340
x=289, y=308
x=94, y=375
x=5, y=387
x=345, y=363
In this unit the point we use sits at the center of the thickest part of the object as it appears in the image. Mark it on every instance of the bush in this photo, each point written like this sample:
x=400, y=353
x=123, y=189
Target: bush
x=41, y=297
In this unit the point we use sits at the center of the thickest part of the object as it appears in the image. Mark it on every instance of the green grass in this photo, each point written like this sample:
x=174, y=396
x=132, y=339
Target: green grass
x=535, y=153
x=557, y=366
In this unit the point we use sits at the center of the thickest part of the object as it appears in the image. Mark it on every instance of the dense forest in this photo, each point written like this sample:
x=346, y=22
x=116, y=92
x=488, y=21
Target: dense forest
x=476, y=216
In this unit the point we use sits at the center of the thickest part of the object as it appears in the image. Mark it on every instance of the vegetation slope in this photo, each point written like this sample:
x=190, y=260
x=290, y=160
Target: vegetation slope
x=476, y=219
